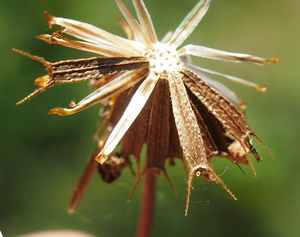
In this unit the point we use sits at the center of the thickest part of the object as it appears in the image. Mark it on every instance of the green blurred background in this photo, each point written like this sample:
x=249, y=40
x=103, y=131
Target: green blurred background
x=43, y=156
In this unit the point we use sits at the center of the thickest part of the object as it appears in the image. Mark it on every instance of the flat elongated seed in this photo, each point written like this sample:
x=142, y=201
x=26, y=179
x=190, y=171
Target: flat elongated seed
x=76, y=70
x=96, y=61
x=186, y=123
x=192, y=143
x=223, y=143
x=85, y=69
x=92, y=68
x=232, y=120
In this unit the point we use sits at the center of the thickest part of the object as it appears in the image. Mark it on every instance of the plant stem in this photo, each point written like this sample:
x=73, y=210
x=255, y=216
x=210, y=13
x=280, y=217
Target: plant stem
x=148, y=205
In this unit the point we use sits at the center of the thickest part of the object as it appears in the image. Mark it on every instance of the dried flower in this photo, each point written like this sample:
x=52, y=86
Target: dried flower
x=154, y=95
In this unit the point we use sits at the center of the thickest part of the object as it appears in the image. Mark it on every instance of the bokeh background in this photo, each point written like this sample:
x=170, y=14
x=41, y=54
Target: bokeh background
x=43, y=156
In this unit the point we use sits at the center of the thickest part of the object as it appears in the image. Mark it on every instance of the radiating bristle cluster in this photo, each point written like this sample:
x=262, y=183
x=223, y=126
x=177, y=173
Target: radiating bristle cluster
x=153, y=95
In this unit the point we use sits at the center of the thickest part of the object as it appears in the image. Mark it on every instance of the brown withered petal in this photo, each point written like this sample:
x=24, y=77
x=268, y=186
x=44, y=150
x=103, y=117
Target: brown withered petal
x=154, y=97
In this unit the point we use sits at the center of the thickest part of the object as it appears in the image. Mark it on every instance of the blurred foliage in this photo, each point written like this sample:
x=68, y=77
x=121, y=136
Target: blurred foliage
x=43, y=156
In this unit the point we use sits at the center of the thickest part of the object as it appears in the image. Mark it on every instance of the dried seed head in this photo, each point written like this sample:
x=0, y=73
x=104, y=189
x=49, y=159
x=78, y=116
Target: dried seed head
x=155, y=95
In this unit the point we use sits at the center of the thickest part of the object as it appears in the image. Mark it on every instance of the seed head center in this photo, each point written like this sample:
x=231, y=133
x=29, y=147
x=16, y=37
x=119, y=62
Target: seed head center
x=163, y=58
